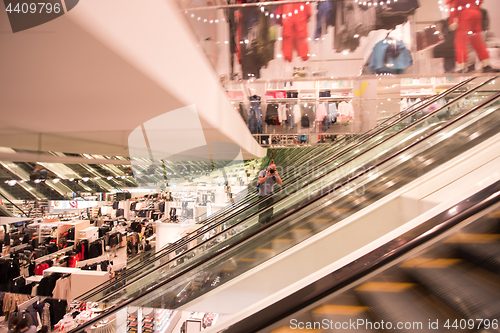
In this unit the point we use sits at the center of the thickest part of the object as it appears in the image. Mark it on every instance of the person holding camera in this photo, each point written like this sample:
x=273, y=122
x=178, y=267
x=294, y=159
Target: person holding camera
x=267, y=178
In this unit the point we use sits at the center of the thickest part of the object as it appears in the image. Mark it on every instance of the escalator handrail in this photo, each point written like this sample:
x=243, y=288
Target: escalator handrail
x=184, y=241
x=488, y=197
x=368, y=263
x=13, y=204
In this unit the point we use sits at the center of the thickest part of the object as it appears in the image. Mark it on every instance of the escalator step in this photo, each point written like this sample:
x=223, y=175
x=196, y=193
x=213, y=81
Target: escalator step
x=455, y=288
x=484, y=255
x=473, y=239
x=333, y=309
x=395, y=303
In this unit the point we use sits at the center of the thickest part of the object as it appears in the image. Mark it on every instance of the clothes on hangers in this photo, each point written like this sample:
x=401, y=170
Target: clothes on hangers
x=353, y=21
x=321, y=113
x=296, y=113
x=255, y=123
x=11, y=302
x=326, y=16
x=345, y=112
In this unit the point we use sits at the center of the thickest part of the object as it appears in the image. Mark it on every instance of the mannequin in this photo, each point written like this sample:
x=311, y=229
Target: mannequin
x=466, y=19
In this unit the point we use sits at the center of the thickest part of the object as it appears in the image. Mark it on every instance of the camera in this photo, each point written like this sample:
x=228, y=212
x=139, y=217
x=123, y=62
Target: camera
x=272, y=171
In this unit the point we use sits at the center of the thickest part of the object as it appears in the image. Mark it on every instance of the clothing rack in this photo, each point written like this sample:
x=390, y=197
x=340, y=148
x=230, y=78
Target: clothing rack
x=23, y=306
x=82, y=263
x=53, y=255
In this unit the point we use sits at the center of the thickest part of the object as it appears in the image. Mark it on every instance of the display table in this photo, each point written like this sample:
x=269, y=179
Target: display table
x=81, y=280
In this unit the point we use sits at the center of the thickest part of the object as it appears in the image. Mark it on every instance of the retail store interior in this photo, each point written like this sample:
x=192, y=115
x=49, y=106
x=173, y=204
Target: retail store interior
x=242, y=166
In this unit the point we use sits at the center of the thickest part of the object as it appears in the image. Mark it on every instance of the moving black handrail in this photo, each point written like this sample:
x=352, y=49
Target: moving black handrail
x=249, y=237
x=183, y=242
x=13, y=204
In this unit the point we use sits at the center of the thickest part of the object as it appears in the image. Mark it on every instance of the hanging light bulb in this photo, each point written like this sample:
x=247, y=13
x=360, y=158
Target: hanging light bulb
x=13, y=182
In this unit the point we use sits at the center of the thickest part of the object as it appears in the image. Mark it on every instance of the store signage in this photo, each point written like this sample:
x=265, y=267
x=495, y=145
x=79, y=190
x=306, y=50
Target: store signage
x=72, y=204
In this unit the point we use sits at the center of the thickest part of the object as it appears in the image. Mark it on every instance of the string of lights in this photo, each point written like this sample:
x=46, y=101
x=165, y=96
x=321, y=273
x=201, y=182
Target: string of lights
x=444, y=8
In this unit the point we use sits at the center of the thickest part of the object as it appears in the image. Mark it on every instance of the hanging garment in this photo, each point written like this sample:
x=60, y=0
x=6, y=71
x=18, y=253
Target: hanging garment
x=255, y=123
x=404, y=105
x=62, y=289
x=321, y=113
x=296, y=113
x=282, y=112
x=469, y=17
x=389, y=57
x=272, y=114
x=304, y=121
x=332, y=113
x=294, y=18
x=254, y=39
x=391, y=14
x=353, y=21
x=325, y=17
x=345, y=113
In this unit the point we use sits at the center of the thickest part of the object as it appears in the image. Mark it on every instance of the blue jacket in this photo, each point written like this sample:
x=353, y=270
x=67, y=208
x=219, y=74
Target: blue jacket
x=389, y=61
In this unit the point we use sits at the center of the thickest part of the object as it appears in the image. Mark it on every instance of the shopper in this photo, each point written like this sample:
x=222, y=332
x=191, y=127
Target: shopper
x=6, y=241
x=267, y=178
x=44, y=329
x=2, y=236
x=14, y=323
x=23, y=327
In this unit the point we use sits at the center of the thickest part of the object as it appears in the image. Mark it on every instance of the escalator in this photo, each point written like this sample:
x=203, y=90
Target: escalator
x=427, y=141
x=443, y=275
x=53, y=191
x=243, y=227
x=21, y=190
x=287, y=158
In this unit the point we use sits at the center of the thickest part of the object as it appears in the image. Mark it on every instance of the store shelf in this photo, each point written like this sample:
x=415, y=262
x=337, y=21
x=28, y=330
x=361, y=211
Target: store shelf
x=416, y=95
x=334, y=97
x=414, y=86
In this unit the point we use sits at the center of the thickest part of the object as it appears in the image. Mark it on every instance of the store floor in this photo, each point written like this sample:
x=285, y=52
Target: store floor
x=3, y=325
